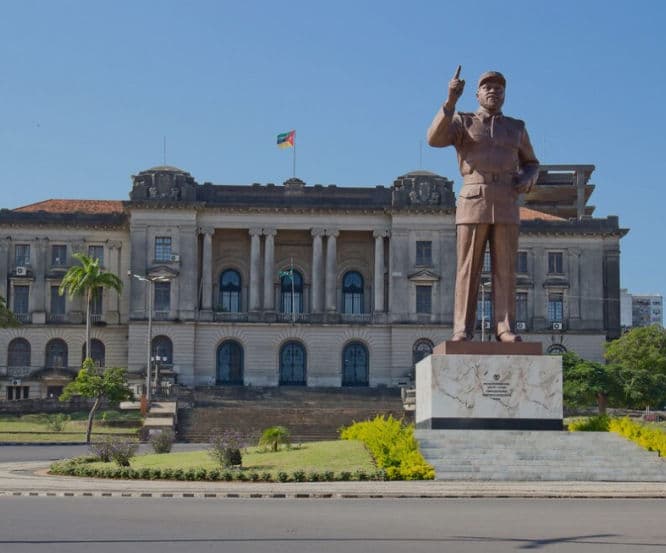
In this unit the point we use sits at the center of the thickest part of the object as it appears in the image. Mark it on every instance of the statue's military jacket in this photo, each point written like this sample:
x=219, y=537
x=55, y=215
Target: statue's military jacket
x=494, y=154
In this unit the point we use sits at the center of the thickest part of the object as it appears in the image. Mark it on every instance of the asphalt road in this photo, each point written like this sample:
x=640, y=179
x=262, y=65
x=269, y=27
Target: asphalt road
x=73, y=525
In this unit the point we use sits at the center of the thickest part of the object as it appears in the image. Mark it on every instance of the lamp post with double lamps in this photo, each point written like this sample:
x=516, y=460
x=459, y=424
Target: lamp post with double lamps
x=150, y=288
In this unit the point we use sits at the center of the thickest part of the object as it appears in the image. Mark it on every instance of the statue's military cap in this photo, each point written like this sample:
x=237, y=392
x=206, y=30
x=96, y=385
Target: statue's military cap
x=492, y=76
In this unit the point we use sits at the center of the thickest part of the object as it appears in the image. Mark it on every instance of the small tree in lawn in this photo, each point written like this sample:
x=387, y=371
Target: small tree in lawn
x=96, y=383
x=273, y=437
x=586, y=382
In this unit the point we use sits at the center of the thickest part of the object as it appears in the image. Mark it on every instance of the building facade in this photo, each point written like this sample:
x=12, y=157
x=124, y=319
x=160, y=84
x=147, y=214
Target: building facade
x=293, y=284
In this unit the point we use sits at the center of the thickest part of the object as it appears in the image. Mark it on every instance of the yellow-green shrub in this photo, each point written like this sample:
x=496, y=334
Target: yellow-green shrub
x=393, y=446
x=599, y=423
x=651, y=439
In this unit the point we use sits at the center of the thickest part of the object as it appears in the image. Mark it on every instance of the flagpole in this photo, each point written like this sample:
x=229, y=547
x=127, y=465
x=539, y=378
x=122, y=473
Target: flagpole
x=293, y=311
x=294, y=160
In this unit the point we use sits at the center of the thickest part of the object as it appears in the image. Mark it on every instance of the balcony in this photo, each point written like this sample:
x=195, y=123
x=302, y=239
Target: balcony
x=96, y=318
x=356, y=318
x=56, y=318
x=293, y=317
x=161, y=315
x=23, y=318
x=18, y=372
x=230, y=316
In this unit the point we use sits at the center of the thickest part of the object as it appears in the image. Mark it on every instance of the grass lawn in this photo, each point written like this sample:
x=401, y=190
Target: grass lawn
x=337, y=456
x=34, y=427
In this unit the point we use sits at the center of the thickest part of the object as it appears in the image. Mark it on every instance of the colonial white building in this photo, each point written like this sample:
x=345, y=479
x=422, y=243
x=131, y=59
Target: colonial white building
x=371, y=292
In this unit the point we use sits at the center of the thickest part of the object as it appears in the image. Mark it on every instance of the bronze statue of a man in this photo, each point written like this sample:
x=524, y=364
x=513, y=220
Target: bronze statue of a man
x=497, y=164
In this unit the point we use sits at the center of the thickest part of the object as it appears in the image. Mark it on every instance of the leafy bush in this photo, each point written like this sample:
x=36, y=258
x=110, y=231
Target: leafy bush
x=162, y=441
x=298, y=476
x=57, y=422
x=393, y=446
x=273, y=437
x=345, y=475
x=599, y=423
x=282, y=476
x=652, y=439
x=102, y=449
x=122, y=451
x=225, y=448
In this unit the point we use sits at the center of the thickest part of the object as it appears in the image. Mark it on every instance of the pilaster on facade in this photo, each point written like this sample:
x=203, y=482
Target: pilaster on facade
x=379, y=269
x=331, y=270
x=255, y=268
x=207, y=269
x=269, y=268
x=317, y=262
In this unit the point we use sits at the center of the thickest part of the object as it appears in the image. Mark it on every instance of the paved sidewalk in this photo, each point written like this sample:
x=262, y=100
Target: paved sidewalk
x=30, y=479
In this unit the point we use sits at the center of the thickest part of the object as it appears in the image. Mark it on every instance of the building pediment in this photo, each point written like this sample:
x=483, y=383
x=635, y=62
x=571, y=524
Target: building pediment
x=424, y=275
x=162, y=272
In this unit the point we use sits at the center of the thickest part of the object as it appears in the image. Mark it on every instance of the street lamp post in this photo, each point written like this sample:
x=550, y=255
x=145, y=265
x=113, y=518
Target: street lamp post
x=149, y=289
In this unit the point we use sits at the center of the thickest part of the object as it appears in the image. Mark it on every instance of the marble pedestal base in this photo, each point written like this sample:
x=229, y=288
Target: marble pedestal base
x=490, y=392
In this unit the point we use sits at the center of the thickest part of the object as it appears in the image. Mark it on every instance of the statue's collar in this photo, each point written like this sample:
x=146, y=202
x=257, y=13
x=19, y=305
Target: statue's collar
x=484, y=114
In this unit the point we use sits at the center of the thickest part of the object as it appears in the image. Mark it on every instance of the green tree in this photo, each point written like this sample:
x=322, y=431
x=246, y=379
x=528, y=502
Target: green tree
x=273, y=437
x=7, y=319
x=586, y=382
x=86, y=279
x=639, y=359
x=97, y=383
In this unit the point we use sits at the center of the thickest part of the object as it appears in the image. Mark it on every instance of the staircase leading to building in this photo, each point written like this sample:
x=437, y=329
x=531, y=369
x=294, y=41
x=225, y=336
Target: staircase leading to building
x=309, y=413
x=531, y=455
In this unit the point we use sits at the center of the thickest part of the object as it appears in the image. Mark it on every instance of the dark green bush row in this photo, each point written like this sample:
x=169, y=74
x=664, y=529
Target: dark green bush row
x=78, y=467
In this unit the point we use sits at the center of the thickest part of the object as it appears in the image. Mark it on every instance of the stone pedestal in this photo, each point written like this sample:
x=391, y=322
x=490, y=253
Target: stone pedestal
x=489, y=386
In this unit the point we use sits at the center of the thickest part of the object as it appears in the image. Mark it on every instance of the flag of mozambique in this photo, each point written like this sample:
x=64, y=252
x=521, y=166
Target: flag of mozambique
x=286, y=139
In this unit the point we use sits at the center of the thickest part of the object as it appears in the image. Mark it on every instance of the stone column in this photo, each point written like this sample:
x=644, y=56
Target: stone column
x=379, y=270
x=38, y=289
x=255, y=253
x=331, y=269
x=138, y=303
x=575, y=288
x=540, y=311
x=111, y=298
x=4, y=264
x=317, y=258
x=269, y=269
x=207, y=269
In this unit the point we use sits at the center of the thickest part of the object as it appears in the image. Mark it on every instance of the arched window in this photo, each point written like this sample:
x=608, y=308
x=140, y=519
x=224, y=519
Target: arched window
x=556, y=349
x=97, y=352
x=230, y=291
x=162, y=350
x=18, y=353
x=421, y=349
x=352, y=292
x=291, y=291
x=292, y=364
x=56, y=354
x=230, y=363
x=355, y=365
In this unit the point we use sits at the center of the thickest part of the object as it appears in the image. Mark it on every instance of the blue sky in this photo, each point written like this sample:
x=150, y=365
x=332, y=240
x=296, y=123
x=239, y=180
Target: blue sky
x=88, y=90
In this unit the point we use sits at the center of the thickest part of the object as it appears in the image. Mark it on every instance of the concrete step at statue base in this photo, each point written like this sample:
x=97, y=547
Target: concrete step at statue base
x=538, y=456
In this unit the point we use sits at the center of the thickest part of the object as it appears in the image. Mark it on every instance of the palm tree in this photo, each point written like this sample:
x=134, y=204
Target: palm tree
x=85, y=280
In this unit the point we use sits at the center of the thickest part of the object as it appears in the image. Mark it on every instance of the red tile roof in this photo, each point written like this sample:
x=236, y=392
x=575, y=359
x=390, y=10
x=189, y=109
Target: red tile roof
x=527, y=214
x=74, y=206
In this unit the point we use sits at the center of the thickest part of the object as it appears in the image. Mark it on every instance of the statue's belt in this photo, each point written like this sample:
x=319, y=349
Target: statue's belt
x=489, y=178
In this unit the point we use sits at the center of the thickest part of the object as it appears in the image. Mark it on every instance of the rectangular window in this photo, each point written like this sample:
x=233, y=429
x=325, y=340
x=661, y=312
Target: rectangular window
x=521, y=307
x=487, y=265
x=58, y=256
x=21, y=294
x=424, y=299
x=555, y=307
x=97, y=252
x=162, y=298
x=163, y=248
x=424, y=253
x=555, y=263
x=57, y=302
x=521, y=263
x=97, y=301
x=22, y=255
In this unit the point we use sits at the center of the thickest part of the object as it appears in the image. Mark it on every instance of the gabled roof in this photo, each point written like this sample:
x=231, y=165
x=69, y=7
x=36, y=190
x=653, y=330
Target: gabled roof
x=73, y=206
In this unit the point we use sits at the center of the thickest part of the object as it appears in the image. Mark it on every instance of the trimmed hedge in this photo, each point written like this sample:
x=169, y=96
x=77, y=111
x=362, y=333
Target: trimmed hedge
x=82, y=467
x=651, y=439
x=393, y=446
x=599, y=423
